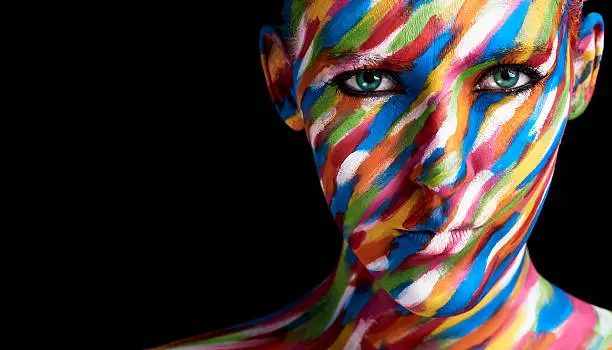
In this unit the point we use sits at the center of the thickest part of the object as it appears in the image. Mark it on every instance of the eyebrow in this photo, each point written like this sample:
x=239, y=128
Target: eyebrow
x=520, y=48
x=360, y=60
x=347, y=58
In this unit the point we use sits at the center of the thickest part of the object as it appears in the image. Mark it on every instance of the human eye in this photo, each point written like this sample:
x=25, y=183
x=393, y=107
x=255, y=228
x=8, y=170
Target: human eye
x=368, y=82
x=508, y=79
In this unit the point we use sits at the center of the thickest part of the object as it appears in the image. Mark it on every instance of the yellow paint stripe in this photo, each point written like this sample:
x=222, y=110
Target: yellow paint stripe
x=531, y=160
x=532, y=25
x=405, y=210
x=319, y=9
x=507, y=337
x=343, y=337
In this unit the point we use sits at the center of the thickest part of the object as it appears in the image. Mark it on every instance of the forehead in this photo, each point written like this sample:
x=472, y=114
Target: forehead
x=345, y=27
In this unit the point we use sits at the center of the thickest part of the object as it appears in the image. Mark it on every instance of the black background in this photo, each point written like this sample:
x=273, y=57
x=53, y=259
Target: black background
x=209, y=208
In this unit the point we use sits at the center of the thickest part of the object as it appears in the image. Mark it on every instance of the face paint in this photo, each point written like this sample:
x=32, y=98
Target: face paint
x=435, y=126
x=437, y=181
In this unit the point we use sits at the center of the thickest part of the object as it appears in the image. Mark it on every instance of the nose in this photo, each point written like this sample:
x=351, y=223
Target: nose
x=442, y=163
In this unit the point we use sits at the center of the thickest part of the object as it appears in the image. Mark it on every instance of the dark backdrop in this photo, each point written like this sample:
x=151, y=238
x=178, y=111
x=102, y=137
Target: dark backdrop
x=211, y=204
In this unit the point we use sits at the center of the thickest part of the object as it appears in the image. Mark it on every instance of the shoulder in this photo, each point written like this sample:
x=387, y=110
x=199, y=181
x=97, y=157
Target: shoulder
x=601, y=337
x=269, y=332
x=264, y=335
x=574, y=323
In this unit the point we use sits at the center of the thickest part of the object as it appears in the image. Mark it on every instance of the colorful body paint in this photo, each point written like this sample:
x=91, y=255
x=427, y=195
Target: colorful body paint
x=436, y=182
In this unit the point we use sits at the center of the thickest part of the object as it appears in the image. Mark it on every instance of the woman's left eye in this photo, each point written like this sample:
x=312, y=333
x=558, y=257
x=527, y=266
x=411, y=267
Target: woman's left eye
x=367, y=83
x=508, y=79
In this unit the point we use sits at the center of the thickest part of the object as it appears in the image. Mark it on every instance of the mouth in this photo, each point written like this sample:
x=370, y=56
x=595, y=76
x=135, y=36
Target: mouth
x=441, y=243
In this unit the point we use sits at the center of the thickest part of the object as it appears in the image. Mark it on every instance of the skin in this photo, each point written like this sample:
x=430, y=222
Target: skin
x=436, y=183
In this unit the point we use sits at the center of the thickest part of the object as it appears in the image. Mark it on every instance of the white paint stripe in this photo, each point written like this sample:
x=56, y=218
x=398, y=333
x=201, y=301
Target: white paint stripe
x=305, y=61
x=604, y=320
x=381, y=50
x=296, y=45
x=342, y=303
x=487, y=21
x=546, y=66
x=531, y=310
x=548, y=104
x=414, y=113
x=501, y=116
x=505, y=239
x=354, y=342
x=488, y=210
x=471, y=194
x=512, y=270
x=349, y=166
x=447, y=129
x=320, y=123
x=381, y=264
x=420, y=289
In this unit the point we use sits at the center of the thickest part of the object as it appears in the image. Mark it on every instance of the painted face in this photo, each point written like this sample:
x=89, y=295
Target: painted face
x=435, y=126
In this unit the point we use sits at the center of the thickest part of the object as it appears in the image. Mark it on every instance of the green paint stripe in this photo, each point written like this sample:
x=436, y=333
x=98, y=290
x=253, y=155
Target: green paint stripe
x=443, y=170
x=549, y=15
x=415, y=127
x=353, y=39
x=233, y=337
x=322, y=314
x=346, y=126
x=391, y=281
x=327, y=100
x=298, y=8
x=415, y=25
x=356, y=210
x=509, y=206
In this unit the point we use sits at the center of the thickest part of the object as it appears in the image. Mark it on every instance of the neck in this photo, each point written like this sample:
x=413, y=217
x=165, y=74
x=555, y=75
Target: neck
x=354, y=307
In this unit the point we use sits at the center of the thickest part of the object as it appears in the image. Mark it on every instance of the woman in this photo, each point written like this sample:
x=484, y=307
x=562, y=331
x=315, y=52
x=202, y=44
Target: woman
x=435, y=126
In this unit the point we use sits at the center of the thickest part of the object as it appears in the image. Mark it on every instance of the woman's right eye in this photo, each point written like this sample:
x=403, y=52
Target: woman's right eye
x=368, y=82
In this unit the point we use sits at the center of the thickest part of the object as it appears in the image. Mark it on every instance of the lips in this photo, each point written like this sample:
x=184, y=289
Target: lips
x=442, y=243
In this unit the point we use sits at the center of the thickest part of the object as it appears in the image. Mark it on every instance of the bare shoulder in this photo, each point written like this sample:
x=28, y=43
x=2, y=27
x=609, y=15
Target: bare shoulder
x=264, y=333
x=602, y=332
x=259, y=335
x=585, y=326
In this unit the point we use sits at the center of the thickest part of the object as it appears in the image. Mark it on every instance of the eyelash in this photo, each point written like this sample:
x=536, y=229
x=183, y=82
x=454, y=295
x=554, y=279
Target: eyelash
x=337, y=82
x=536, y=77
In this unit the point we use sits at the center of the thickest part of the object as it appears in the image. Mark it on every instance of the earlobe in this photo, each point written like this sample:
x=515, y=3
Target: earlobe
x=586, y=61
x=277, y=68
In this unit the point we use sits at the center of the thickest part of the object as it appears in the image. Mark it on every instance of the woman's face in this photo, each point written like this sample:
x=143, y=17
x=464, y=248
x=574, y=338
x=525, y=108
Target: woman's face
x=435, y=126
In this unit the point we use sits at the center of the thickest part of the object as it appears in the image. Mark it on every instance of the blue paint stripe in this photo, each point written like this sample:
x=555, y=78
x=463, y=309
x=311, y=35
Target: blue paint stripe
x=406, y=246
x=505, y=37
x=340, y=200
x=358, y=300
x=554, y=312
x=468, y=287
x=386, y=117
x=311, y=96
x=467, y=326
x=343, y=21
x=544, y=161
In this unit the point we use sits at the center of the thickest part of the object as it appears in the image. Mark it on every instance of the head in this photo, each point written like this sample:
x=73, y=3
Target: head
x=435, y=126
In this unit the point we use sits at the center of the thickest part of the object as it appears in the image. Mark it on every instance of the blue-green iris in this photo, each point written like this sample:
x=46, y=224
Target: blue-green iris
x=369, y=80
x=506, y=78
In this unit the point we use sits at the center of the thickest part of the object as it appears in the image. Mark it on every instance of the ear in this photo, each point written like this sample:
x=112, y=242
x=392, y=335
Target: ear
x=586, y=60
x=278, y=70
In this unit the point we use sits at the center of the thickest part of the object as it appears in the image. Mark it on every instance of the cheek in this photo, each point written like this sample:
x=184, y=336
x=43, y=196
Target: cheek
x=523, y=151
x=343, y=130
